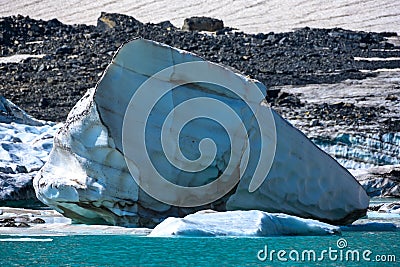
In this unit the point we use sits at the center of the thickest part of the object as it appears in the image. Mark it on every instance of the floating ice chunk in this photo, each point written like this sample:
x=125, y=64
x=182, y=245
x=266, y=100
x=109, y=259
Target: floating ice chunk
x=241, y=223
x=370, y=227
x=26, y=239
x=68, y=229
x=375, y=215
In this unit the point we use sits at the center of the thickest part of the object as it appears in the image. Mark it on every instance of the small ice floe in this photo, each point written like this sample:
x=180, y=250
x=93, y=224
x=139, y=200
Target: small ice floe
x=371, y=227
x=241, y=223
x=25, y=239
x=68, y=229
x=377, y=215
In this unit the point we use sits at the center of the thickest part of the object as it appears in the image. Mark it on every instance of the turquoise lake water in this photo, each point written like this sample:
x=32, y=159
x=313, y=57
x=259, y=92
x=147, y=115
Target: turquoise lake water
x=128, y=250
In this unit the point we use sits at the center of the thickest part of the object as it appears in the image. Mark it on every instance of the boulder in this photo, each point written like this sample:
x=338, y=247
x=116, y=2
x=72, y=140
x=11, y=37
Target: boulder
x=202, y=24
x=110, y=21
x=166, y=133
x=241, y=223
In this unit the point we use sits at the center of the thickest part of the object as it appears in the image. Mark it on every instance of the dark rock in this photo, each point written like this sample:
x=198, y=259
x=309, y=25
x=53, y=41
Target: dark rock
x=64, y=50
x=6, y=170
x=273, y=93
x=21, y=169
x=283, y=95
x=314, y=122
x=260, y=36
x=375, y=207
x=285, y=99
x=290, y=100
x=166, y=24
x=53, y=23
x=388, y=34
x=38, y=221
x=16, y=190
x=108, y=21
x=6, y=220
x=392, y=125
x=105, y=23
x=391, y=98
x=22, y=225
x=10, y=224
x=387, y=45
x=44, y=102
x=202, y=24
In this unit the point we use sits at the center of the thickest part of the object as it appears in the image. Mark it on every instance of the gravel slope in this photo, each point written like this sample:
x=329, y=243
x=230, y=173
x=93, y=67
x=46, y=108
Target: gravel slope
x=70, y=58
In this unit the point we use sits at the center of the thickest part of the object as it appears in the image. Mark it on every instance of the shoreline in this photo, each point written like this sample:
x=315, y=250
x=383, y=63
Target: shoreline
x=54, y=224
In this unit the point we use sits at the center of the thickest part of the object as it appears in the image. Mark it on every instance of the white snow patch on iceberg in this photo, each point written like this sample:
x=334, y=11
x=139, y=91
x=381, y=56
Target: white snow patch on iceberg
x=252, y=223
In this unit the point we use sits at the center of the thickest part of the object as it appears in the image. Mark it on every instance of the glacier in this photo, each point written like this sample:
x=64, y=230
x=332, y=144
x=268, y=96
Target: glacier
x=25, y=144
x=361, y=151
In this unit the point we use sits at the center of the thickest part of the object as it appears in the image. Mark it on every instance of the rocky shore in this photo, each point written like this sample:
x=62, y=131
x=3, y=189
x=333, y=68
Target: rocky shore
x=71, y=58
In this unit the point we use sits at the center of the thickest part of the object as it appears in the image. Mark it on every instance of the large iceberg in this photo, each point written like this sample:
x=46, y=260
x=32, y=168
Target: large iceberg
x=144, y=120
x=241, y=223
